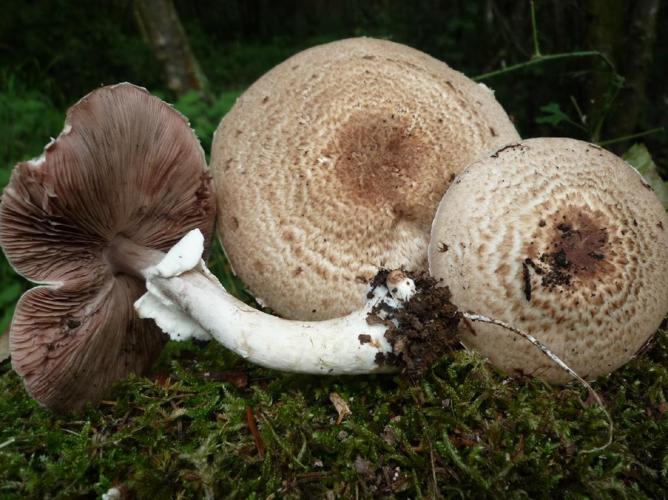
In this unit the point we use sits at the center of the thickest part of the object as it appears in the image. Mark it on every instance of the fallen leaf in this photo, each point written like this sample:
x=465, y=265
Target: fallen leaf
x=237, y=378
x=4, y=347
x=663, y=408
x=177, y=412
x=363, y=466
x=638, y=156
x=162, y=379
x=341, y=406
x=257, y=438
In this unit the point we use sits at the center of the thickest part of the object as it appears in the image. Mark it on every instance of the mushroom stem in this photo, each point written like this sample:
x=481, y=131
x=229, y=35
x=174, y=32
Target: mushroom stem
x=125, y=256
x=186, y=300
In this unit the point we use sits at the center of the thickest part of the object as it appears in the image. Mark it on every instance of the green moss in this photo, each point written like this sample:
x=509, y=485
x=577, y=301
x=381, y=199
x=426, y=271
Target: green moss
x=462, y=430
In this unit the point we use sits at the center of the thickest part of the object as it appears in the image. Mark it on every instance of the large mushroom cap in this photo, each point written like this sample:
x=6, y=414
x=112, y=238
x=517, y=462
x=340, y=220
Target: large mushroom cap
x=559, y=238
x=126, y=165
x=332, y=165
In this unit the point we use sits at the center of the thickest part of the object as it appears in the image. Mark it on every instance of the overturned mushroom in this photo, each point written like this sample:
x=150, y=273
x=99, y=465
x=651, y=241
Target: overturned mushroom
x=332, y=164
x=563, y=240
x=126, y=170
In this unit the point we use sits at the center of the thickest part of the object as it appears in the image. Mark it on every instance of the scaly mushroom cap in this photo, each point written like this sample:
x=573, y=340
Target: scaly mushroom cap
x=563, y=240
x=126, y=164
x=332, y=164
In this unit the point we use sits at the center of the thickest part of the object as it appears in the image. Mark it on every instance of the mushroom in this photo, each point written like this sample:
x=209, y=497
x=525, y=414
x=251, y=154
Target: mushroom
x=126, y=174
x=565, y=241
x=332, y=164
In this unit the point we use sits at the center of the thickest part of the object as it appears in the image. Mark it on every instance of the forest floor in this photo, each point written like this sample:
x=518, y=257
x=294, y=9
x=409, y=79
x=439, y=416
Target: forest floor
x=204, y=423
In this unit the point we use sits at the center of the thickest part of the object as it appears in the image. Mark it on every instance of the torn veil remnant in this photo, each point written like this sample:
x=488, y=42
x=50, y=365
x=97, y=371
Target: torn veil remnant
x=125, y=178
x=332, y=164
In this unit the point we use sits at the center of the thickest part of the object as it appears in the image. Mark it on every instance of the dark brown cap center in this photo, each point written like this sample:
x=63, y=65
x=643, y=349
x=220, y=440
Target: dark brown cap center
x=377, y=158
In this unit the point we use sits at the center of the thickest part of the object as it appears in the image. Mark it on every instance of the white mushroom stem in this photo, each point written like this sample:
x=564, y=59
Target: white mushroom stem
x=186, y=300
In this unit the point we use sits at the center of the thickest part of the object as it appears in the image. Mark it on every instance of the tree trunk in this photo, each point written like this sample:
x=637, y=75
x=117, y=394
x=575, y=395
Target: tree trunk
x=605, y=32
x=160, y=25
x=635, y=56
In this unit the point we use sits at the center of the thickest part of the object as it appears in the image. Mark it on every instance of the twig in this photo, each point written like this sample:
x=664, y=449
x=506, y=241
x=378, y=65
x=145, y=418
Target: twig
x=280, y=443
x=547, y=352
x=534, y=31
x=537, y=57
x=583, y=118
x=545, y=58
x=433, y=469
x=617, y=82
x=632, y=136
x=7, y=443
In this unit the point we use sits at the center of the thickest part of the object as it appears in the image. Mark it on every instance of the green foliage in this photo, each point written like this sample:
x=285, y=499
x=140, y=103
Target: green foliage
x=65, y=48
x=28, y=119
x=552, y=114
x=639, y=157
x=205, y=116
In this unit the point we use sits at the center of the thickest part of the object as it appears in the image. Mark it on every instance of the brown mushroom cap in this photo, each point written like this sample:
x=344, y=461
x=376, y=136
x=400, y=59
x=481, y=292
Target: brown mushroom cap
x=126, y=164
x=332, y=164
x=563, y=240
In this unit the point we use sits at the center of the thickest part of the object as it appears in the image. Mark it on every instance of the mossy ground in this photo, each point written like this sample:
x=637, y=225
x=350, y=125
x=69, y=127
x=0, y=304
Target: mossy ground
x=462, y=430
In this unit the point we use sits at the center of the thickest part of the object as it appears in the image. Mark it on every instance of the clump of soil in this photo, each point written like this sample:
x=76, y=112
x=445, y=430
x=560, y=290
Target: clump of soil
x=427, y=325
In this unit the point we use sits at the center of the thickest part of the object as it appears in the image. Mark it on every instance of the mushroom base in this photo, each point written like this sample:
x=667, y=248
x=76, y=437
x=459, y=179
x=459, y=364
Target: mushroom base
x=127, y=257
x=423, y=330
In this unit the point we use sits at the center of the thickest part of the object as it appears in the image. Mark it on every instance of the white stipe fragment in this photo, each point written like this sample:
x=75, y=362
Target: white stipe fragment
x=184, y=256
x=402, y=288
x=112, y=494
x=169, y=318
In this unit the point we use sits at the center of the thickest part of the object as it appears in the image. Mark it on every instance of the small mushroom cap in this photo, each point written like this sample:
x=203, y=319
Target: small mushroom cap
x=332, y=164
x=563, y=240
x=126, y=164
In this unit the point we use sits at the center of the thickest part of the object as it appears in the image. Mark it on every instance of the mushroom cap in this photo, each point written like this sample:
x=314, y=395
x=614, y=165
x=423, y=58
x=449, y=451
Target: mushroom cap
x=563, y=240
x=126, y=164
x=331, y=166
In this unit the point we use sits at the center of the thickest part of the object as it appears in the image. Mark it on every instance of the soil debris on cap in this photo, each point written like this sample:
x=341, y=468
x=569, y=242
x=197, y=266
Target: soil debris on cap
x=578, y=250
x=427, y=326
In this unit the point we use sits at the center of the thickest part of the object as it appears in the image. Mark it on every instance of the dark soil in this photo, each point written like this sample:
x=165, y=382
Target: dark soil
x=577, y=249
x=427, y=326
